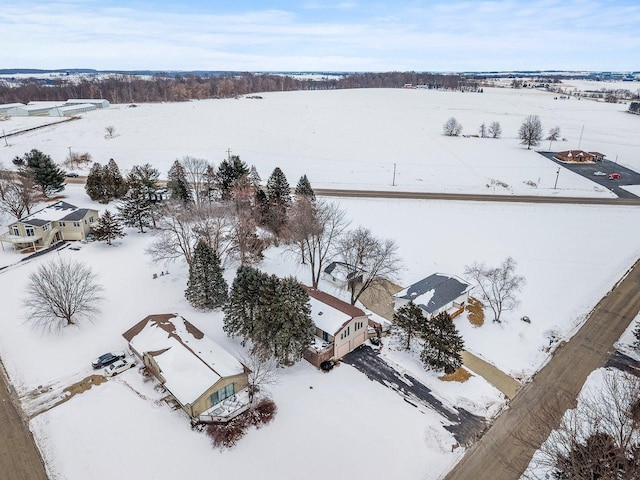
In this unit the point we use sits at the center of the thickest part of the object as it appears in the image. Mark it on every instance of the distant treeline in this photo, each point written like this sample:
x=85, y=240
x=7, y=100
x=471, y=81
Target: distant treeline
x=160, y=88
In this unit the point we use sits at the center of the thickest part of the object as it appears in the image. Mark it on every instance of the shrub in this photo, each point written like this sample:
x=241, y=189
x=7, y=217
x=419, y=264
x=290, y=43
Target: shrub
x=226, y=435
x=263, y=412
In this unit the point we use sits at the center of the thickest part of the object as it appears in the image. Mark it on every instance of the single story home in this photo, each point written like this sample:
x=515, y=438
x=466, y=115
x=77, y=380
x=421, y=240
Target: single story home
x=579, y=156
x=54, y=223
x=342, y=274
x=435, y=294
x=208, y=383
x=340, y=327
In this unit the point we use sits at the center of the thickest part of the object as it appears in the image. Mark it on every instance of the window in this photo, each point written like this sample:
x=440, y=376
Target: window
x=30, y=232
x=357, y=326
x=45, y=227
x=90, y=219
x=76, y=224
x=16, y=232
x=220, y=395
x=63, y=224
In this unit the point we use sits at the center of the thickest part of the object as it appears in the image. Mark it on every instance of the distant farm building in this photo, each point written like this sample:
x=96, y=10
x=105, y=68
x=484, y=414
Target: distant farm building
x=70, y=110
x=37, y=110
x=97, y=102
x=8, y=107
x=579, y=156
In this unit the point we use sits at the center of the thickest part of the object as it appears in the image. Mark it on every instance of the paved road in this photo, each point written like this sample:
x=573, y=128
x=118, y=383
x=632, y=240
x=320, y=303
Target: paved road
x=465, y=426
x=326, y=192
x=501, y=454
x=19, y=456
x=627, y=176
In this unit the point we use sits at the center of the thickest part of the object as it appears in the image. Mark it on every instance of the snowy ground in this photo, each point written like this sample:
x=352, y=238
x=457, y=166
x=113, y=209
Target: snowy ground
x=353, y=138
x=570, y=256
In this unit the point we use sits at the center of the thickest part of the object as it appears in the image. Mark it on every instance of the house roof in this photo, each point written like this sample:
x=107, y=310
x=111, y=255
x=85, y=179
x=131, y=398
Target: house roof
x=54, y=212
x=598, y=154
x=343, y=270
x=575, y=153
x=330, y=314
x=189, y=361
x=75, y=215
x=435, y=291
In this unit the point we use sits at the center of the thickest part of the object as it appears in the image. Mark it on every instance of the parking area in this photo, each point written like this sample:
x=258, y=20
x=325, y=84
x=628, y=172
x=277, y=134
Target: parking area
x=607, y=168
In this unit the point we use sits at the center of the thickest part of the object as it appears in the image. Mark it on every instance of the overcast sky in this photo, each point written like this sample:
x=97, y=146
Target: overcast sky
x=321, y=35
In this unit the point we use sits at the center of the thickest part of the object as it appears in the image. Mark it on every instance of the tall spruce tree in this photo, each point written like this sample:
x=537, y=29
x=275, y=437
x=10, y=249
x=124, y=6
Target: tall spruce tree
x=146, y=176
x=442, y=344
x=411, y=320
x=95, y=185
x=228, y=173
x=178, y=185
x=304, y=188
x=108, y=228
x=115, y=184
x=206, y=288
x=135, y=207
x=45, y=174
x=254, y=177
x=278, y=201
x=243, y=305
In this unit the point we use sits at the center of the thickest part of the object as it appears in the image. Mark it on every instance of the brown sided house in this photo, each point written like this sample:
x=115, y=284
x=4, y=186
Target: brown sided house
x=579, y=156
x=207, y=381
x=340, y=327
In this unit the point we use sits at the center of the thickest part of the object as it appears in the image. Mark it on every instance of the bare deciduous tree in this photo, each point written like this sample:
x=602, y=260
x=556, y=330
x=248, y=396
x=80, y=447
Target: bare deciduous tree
x=263, y=371
x=60, y=293
x=314, y=238
x=530, y=132
x=599, y=438
x=110, y=130
x=174, y=237
x=18, y=193
x=495, y=130
x=554, y=135
x=196, y=173
x=498, y=286
x=452, y=128
x=367, y=260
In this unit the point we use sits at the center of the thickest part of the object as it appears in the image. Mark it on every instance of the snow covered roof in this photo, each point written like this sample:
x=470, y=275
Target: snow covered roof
x=189, y=361
x=435, y=291
x=53, y=213
x=343, y=270
x=329, y=313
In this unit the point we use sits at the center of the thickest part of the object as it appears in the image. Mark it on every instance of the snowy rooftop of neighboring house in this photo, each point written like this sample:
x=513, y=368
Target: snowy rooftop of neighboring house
x=189, y=361
x=435, y=291
x=330, y=313
x=53, y=213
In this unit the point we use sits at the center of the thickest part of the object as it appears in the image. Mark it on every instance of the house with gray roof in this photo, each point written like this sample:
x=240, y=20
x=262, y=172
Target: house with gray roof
x=342, y=275
x=435, y=294
x=47, y=226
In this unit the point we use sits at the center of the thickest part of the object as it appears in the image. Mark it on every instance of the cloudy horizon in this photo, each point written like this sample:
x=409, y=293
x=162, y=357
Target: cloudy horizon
x=583, y=35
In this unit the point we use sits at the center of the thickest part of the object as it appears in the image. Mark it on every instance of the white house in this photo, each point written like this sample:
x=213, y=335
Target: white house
x=435, y=294
x=340, y=327
x=342, y=274
x=54, y=223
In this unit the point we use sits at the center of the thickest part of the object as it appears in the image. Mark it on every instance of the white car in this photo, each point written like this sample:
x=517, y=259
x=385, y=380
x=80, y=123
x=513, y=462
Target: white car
x=599, y=174
x=118, y=367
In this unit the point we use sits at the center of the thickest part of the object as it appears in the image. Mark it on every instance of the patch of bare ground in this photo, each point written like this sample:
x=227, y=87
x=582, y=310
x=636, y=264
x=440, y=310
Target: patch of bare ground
x=461, y=375
x=45, y=398
x=475, y=310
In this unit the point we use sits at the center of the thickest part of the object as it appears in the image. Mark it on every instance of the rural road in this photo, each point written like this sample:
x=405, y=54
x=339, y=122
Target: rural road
x=502, y=453
x=19, y=456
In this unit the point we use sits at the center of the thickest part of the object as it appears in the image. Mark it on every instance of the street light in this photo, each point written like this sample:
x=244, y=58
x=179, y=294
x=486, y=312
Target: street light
x=557, y=175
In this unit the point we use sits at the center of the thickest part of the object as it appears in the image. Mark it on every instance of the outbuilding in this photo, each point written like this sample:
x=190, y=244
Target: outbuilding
x=9, y=107
x=71, y=110
x=97, y=102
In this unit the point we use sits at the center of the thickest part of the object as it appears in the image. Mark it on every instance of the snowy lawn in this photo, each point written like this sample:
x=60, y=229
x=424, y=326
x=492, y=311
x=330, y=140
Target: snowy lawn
x=353, y=138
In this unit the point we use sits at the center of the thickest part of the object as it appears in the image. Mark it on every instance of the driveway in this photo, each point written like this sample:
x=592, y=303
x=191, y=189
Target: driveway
x=587, y=170
x=465, y=426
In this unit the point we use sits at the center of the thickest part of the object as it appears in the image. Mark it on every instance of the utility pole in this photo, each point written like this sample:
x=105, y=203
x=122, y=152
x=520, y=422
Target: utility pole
x=580, y=141
x=70, y=156
x=228, y=154
x=394, y=175
x=6, y=144
x=555, y=185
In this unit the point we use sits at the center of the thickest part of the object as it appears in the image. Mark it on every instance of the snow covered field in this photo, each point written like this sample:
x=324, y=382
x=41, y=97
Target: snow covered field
x=353, y=138
x=570, y=256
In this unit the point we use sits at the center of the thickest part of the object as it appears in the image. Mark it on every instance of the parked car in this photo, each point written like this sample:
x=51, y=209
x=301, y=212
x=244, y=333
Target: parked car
x=614, y=176
x=118, y=367
x=327, y=365
x=72, y=175
x=599, y=174
x=107, y=359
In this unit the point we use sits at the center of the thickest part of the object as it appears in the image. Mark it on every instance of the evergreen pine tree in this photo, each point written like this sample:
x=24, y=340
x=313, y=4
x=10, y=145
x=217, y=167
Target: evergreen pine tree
x=304, y=188
x=206, y=288
x=178, y=185
x=95, y=185
x=442, y=344
x=46, y=174
x=229, y=172
x=135, y=207
x=146, y=178
x=242, y=306
x=108, y=228
x=411, y=320
x=278, y=200
x=254, y=177
x=115, y=185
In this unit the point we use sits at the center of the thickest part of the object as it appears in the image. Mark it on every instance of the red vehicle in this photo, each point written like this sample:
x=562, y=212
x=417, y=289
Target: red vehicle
x=614, y=176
